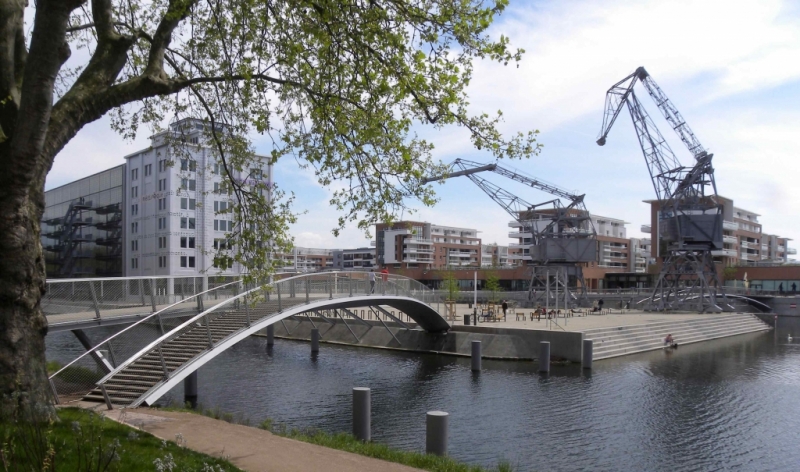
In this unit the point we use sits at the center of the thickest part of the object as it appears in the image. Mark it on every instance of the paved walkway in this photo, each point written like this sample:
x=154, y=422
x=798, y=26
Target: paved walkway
x=583, y=323
x=248, y=448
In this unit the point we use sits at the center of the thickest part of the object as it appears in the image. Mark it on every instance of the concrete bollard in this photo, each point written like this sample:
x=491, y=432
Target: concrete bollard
x=436, y=433
x=476, y=356
x=314, y=340
x=588, y=353
x=544, y=356
x=270, y=335
x=190, y=389
x=362, y=414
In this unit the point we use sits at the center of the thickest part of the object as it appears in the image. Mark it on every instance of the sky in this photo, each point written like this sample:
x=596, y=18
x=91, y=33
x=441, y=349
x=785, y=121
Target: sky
x=730, y=67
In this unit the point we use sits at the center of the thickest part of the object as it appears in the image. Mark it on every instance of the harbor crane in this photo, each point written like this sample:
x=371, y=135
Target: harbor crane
x=555, y=237
x=690, y=215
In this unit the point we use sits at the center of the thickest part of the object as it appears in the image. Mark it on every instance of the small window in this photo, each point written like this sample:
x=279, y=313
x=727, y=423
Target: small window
x=134, y=192
x=162, y=261
x=162, y=242
x=191, y=261
x=183, y=261
x=134, y=174
x=162, y=223
x=184, y=164
x=134, y=263
x=162, y=165
x=135, y=245
x=187, y=242
x=162, y=203
x=148, y=169
x=184, y=223
x=162, y=185
x=192, y=203
x=191, y=223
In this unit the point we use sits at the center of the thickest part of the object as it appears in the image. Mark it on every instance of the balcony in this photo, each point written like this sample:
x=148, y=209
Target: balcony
x=730, y=239
x=745, y=245
x=645, y=229
x=519, y=257
x=518, y=234
x=791, y=251
x=520, y=245
x=725, y=253
x=424, y=242
x=414, y=250
x=461, y=255
x=730, y=225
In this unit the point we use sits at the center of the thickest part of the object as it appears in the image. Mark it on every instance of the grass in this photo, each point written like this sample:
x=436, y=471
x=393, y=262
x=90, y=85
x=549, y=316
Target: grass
x=84, y=441
x=347, y=442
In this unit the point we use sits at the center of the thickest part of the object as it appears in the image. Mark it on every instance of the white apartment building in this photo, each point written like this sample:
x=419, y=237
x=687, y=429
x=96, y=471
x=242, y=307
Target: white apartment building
x=412, y=244
x=172, y=206
x=306, y=259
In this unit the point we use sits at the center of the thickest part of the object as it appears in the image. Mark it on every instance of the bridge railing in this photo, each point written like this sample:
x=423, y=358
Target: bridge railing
x=257, y=302
x=80, y=375
x=70, y=300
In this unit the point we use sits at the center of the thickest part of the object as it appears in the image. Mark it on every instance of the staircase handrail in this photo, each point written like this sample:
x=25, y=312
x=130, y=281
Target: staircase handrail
x=148, y=317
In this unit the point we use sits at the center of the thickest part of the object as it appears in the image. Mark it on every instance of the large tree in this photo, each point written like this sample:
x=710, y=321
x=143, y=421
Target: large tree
x=338, y=85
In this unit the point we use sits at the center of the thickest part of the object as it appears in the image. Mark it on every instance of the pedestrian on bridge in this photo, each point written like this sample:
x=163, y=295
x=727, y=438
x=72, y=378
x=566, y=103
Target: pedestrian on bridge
x=372, y=281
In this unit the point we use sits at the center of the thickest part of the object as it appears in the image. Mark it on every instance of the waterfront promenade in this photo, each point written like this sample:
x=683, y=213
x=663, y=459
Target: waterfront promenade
x=248, y=448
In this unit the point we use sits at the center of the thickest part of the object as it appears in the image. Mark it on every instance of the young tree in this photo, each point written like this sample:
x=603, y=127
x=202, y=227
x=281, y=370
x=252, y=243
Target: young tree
x=450, y=284
x=493, y=285
x=338, y=85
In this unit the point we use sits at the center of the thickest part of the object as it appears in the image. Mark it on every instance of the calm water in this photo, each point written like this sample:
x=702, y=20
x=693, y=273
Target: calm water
x=731, y=404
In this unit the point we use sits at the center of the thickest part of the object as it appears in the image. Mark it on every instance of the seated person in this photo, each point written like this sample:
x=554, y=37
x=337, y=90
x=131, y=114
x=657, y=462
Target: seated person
x=669, y=341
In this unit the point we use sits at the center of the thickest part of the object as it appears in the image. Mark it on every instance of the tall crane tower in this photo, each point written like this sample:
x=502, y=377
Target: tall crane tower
x=555, y=238
x=690, y=217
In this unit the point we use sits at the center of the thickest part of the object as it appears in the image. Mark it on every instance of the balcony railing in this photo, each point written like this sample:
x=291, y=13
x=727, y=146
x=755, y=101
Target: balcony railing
x=645, y=229
x=730, y=225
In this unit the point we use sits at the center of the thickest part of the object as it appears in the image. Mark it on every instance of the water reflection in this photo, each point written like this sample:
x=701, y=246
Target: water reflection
x=726, y=404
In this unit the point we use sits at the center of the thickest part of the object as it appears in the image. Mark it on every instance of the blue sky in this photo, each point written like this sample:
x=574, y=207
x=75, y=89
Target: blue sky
x=730, y=67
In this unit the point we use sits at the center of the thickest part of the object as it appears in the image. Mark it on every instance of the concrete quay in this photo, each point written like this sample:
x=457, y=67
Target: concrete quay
x=614, y=334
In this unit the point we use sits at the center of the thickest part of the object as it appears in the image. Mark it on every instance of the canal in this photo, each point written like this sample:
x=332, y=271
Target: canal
x=729, y=404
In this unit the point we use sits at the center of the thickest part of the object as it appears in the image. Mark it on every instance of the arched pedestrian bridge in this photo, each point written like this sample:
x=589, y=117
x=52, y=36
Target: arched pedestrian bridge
x=144, y=361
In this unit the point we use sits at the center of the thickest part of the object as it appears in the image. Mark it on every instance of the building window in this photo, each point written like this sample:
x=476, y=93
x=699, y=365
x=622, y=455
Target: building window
x=188, y=203
x=189, y=164
x=187, y=261
x=135, y=227
x=134, y=174
x=162, y=242
x=135, y=245
x=162, y=261
x=162, y=223
x=162, y=185
x=162, y=203
x=220, y=244
x=187, y=242
x=148, y=169
x=187, y=223
x=256, y=174
x=223, y=225
x=220, y=207
x=134, y=209
x=134, y=192
x=134, y=263
x=188, y=184
x=162, y=165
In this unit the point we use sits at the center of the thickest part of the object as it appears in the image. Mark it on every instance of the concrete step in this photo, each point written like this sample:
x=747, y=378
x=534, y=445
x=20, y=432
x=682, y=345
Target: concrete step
x=661, y=332
x=628, y=351
x=680, y=340
x=599, y=331
x=658, y=340
x=628, y=331
x=664, y=330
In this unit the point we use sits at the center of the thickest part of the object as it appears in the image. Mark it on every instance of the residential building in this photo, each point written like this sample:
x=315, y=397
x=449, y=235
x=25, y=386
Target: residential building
x=412, y=244
x=306, y=259
x=354, y=259
x=82, y=226
x=495, y=255
x=639, y=255
x=613, y=245
x=177, y=204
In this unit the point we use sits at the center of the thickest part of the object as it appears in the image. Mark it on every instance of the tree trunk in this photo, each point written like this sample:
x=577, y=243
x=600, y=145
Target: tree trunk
x=23, y=372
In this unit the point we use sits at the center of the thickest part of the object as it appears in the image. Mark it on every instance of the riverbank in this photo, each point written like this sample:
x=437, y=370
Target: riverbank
x=256, y=449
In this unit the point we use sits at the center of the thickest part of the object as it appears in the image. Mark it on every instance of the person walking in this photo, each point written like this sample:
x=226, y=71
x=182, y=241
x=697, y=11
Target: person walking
x=372, y=281
x=384, y=279
x=504, y=306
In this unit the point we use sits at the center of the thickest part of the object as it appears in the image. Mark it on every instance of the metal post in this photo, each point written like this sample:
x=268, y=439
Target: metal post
x=94, y=299
x=163, y=362
x=190, y=389
x=330, y=287
x=106, y=398
x=475, y=289
x=314, y=340
x=362, y=411
x=270, y=335
x=544, y=356
x=308, y=287
x=153, y=294
x=208, y=331
x=141, y=291
x=350, y=284
x=436, y=433
x=278, y=287
x=588, y=353
x=476, y=356
x=247, y=310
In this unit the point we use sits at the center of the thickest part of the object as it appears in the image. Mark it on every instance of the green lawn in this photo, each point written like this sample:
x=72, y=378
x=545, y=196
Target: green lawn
x=85, y=441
